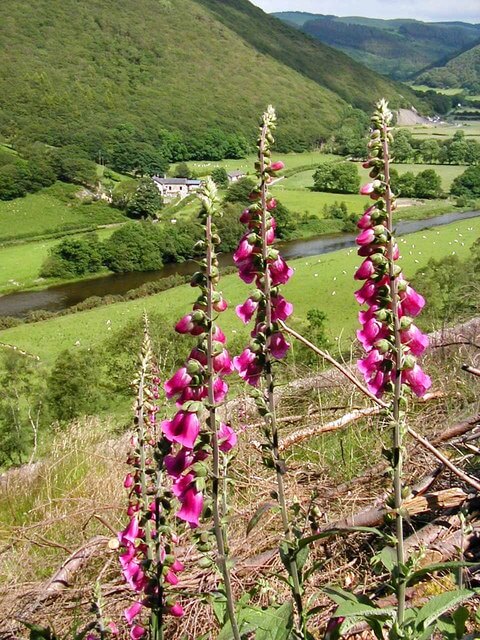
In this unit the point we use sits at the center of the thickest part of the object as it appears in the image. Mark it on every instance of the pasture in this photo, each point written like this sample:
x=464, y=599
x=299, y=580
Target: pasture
x=324, y=282
x=52, y=211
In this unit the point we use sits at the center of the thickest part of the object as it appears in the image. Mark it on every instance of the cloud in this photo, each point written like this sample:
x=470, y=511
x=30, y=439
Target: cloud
x=430, y=10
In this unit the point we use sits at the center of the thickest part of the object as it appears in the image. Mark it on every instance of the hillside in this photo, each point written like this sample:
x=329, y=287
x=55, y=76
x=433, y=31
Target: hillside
x=398, y=48
x=462, y=72
x=95, y=73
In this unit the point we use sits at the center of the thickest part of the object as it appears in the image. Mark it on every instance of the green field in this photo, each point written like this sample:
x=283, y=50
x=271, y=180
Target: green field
x=324, y=282
x=20, y=263
x=443, y=131
x=291, y=161
x=452, y=91
x=52, y=211
x=447, y=172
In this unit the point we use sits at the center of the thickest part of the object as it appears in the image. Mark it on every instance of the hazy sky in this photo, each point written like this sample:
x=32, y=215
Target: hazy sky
x=430, y=10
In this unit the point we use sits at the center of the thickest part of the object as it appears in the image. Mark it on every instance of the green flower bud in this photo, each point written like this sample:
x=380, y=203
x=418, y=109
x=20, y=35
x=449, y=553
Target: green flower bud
x=405, y=322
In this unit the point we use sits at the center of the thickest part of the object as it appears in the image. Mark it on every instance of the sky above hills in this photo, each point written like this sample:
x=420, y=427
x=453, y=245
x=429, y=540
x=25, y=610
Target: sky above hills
x=429, y=10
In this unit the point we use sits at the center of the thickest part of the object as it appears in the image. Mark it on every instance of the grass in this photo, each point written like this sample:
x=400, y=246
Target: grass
x=294, y=192
x=52, y=211
x=20, y=264
x=324, y=282
x=291, y=160
x=447, y=172
x=471, y=129
x=452, y=91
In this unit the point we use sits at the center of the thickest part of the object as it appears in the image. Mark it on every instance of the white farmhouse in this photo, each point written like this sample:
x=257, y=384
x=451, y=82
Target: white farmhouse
x=171, y=188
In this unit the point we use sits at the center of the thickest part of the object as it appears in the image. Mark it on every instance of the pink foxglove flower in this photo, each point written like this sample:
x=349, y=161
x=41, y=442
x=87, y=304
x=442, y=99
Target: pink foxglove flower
x=382, y=279
x=227, y=438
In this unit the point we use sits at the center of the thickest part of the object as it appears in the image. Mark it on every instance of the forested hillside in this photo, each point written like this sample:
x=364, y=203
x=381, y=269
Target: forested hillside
x=462, y=72
x=187, y=77
x=398, y=48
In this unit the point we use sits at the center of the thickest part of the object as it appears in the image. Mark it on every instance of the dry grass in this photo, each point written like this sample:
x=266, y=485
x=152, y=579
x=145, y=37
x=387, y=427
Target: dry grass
x=50, y=510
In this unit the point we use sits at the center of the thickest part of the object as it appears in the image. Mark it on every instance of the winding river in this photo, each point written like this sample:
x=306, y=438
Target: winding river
x=64, y=296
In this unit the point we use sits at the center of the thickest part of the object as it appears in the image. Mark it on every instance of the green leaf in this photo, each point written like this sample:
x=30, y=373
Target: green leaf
x=388, y=557
x=39, y=633
x=255, y=519
x=339, y=595
x=460, y=617
x=440, y=566
x=334, y=532
x=438, y=605
x=219, y=607
x=277, y=623
x=269, y=624
x=301, y=557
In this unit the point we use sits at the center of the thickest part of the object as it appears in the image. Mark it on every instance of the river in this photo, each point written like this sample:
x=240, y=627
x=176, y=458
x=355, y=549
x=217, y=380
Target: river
x=63, y=296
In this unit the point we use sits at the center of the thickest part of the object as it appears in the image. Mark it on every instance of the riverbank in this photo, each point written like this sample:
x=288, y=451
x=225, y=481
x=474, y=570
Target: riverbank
x=61, y=297
x=324, y=282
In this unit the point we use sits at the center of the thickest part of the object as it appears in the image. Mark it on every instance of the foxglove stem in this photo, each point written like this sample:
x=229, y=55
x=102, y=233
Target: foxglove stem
x=397, y=380
x=156, y=615
x=267, y=286
x=218, y=496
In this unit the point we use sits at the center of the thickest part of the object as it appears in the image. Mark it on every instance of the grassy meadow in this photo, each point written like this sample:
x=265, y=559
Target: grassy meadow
x=323, y=282
x=442, y=131
x=20, y=264
x=52, y=211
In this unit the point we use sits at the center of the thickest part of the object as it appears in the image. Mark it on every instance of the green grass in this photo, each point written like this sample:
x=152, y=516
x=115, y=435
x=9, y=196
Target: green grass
x=20, y=264
x=471, y=129
x=324, y=282
x=447, y=172
x=448, y=92
x=291, y=161
x=52, y=211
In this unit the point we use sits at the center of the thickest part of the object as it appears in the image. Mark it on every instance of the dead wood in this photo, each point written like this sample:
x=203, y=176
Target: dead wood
x=472, y=370
x=372, y=516
x=73, y=564
x=457, y=430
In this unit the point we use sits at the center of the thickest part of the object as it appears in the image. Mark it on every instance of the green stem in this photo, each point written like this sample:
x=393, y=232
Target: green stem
x=220, y=534
x=279, y=469
x=397, y=426
x=153, y=547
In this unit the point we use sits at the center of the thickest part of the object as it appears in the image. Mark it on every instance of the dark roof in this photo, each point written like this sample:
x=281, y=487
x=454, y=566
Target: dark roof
x=234, y=174
x=186, y=181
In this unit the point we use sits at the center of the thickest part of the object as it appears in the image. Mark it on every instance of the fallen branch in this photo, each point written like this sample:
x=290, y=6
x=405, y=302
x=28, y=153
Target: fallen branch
x=457, y=430
x=309, y=432
x=472, y=370
x=372, y=516
x=64, y=576
x=458, y=472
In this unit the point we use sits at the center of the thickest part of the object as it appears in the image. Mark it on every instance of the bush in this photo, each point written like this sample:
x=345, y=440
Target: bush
x=75, y=387
x=468, y=183
x=145, y=202
x=428, y=184
x=340, y=177
x=74, y=257
x=240, y=190
x=220, y=177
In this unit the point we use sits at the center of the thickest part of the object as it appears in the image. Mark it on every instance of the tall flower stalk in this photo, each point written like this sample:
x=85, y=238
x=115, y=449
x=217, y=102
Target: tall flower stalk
x=223, y=438
x=148, y=562
x=388, y=334
x=200, y=387
x=262, y=264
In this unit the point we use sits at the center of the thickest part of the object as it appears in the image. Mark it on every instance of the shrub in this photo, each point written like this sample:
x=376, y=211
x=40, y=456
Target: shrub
x=74, y=257
x=340, y=177
x=428, y=184
x=468, y=183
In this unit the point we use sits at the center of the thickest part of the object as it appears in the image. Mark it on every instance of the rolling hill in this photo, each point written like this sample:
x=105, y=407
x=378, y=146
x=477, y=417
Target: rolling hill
x=92, y=72
x=462, y=72
x=398, y=48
